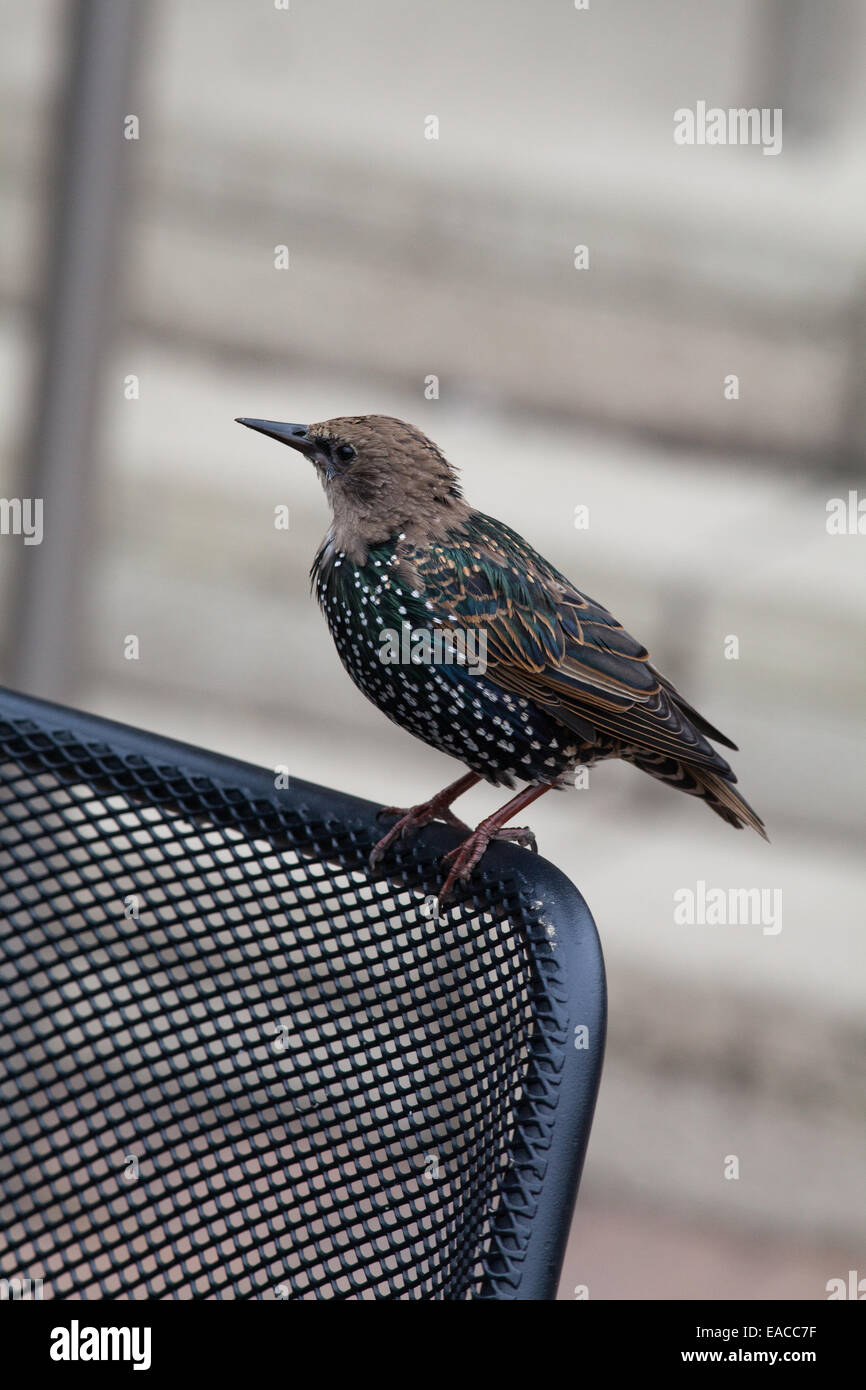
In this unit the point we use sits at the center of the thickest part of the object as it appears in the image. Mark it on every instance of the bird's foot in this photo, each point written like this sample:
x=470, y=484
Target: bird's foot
x=413, y=818
x=466, y=855
x=464, y=858
x=518, y=835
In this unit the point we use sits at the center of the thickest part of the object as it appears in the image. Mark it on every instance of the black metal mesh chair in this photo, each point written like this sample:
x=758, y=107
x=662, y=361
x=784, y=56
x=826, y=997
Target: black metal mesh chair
x=237, y=1063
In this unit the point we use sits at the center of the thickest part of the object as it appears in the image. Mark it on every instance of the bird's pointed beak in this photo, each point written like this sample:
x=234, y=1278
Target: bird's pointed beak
x=296, y=436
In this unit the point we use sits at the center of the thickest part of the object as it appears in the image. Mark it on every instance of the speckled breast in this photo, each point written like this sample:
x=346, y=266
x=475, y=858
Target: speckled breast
x=422, y=684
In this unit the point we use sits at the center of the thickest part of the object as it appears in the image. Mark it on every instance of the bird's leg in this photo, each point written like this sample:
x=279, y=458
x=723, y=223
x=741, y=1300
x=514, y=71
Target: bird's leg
x=467, y=855
x=437, y=808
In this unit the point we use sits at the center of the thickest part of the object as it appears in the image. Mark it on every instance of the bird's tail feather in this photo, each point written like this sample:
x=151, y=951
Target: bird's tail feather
x=717, y=791
x=726, y=801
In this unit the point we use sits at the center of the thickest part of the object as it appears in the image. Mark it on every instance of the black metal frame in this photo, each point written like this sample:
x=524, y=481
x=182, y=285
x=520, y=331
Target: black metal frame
x=526, y=1241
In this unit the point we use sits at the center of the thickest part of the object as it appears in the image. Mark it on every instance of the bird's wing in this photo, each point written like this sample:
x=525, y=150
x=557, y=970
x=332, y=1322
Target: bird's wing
x=554, y=645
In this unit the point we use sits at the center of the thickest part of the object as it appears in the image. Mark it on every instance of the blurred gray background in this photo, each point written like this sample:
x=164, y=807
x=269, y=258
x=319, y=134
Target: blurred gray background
x=558, y=388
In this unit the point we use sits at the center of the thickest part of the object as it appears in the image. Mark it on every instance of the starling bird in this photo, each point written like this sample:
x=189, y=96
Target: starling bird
x=562, y=684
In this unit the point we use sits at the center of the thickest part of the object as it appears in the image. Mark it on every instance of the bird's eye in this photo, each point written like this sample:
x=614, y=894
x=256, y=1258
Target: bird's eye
x=345, y=453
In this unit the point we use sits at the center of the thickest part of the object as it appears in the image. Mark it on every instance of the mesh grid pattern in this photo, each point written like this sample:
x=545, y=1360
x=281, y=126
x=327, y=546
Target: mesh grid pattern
x=235, y=1064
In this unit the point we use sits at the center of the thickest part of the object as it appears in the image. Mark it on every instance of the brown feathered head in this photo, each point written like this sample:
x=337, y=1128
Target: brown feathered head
x=381, y=476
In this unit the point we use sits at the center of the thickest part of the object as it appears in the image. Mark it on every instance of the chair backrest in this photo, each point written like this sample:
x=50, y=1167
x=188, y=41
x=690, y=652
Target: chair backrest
x=238, y=1063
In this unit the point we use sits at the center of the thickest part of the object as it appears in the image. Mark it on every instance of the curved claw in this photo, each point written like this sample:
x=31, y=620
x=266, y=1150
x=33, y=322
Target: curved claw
x=398, y=829
x=465, y=857
x=518, y=835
